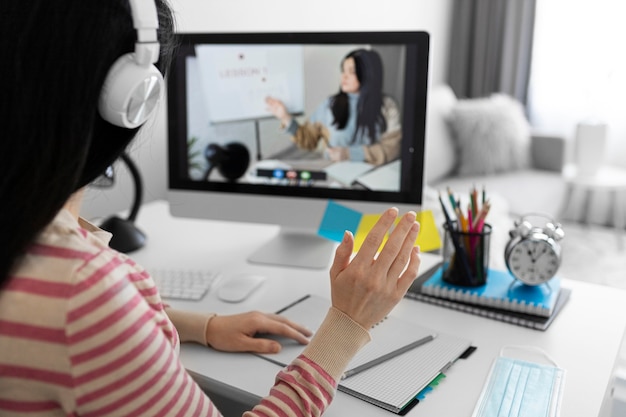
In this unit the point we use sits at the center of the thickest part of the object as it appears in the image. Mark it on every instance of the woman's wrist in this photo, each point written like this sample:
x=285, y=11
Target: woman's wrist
x=207, y=331
x=191, y=326
x=285, y=122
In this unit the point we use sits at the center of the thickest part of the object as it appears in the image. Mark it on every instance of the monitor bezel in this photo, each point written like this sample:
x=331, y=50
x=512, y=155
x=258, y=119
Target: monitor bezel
x=413, y=114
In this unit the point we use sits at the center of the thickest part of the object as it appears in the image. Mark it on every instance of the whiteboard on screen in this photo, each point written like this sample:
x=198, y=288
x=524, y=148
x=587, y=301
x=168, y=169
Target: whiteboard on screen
x=236, y=79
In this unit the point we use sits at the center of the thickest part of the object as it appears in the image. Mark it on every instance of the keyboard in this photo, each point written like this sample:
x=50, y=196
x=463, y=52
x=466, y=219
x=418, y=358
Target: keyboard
x=183, y=284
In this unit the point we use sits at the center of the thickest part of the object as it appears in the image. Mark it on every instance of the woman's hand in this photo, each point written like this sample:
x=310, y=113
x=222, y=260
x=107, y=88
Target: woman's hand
x=278, y=109
x=236, y=333
x=367, y=287
x=338, y=153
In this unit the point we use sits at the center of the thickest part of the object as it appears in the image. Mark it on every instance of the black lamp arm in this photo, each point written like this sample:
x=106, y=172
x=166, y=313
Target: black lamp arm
x=134, y=172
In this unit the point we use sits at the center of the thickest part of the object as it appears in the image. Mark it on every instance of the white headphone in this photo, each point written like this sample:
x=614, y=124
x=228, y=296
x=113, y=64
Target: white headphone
x=133, y=86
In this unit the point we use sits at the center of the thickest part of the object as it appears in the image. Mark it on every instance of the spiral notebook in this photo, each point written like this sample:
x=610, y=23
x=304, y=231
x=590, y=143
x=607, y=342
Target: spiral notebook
x=513, y=317
x=533, y=321
x=401, y=360
x=501, y=291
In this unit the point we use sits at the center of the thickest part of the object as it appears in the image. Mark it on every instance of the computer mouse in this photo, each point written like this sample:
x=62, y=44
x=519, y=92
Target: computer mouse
x=239, y=287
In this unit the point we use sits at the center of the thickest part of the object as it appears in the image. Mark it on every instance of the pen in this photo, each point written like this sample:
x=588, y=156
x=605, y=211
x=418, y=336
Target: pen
x=293, y=304
x=386, y=357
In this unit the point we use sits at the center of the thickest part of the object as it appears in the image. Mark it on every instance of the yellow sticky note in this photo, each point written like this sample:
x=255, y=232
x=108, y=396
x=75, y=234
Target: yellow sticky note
x=428, y=238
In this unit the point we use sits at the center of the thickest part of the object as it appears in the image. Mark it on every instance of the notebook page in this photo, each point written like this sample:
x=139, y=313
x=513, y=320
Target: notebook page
x=396, y=383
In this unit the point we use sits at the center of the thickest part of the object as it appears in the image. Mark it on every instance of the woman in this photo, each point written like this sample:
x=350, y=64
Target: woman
x=83, y=330
x=358, y=123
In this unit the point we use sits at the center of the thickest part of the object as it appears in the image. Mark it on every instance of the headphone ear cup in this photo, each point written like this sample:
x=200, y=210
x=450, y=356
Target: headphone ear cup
x=130, y=93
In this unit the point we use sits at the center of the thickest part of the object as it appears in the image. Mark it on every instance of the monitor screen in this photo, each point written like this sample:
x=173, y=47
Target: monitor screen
x=269, y=127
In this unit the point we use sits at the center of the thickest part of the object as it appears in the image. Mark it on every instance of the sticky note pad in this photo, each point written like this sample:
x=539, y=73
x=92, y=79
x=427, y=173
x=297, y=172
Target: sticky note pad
x=336, y=220
x=367, y=222
x=428, y=238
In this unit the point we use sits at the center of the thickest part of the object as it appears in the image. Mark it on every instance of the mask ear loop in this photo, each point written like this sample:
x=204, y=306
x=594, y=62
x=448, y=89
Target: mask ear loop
x=530, y=348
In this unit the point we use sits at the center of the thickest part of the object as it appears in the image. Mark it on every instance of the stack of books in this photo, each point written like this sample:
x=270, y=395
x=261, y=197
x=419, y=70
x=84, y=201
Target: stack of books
x=501, y=298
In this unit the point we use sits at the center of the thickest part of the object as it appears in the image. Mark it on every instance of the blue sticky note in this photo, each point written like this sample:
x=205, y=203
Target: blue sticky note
x=336, y=220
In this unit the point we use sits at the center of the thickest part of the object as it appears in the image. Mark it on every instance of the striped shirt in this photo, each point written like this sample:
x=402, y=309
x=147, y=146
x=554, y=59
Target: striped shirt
x=83, y=332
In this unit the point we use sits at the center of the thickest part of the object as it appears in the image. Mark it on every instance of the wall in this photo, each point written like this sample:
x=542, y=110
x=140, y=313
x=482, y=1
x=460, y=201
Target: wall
x=149, y=150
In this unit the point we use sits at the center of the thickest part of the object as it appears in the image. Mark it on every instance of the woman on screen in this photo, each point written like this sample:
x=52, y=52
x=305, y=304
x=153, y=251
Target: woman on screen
x=83, y=330
x=359, y=123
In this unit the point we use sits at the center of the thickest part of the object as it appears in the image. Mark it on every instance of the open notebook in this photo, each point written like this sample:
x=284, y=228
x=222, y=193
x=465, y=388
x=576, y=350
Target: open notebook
x=399, y=362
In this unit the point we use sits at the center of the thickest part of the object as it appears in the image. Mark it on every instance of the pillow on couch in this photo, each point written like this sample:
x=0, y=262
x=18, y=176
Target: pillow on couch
x=492, y=135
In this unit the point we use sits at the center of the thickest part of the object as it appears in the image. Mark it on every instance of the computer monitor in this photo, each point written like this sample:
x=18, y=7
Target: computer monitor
x=230, y=158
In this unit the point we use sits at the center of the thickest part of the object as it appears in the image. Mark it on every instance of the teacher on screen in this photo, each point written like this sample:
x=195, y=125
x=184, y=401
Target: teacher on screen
x=359, y=123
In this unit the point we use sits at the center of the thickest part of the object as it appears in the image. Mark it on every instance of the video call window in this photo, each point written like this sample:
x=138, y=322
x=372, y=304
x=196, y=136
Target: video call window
x=261, y=113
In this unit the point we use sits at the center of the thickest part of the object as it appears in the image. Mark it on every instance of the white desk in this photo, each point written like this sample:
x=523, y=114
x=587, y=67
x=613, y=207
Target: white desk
x=584, y=339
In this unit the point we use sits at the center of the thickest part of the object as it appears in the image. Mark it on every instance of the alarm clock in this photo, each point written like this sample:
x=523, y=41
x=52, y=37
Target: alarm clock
x=533, y=252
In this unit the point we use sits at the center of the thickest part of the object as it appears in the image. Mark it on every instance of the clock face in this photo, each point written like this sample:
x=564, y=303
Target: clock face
x=533, y=261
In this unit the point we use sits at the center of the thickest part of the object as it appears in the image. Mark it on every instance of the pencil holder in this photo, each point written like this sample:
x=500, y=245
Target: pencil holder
x=466, y=255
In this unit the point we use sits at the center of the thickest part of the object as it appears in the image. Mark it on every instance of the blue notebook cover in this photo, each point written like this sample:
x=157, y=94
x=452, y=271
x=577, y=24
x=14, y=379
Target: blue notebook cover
x=501, y=291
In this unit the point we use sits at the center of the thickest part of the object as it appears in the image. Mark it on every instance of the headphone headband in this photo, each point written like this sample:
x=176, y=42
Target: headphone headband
x=146, y=23
x=134, y=85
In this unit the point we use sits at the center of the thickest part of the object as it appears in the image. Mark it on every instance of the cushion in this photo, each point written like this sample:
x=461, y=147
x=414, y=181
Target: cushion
x=492, y=135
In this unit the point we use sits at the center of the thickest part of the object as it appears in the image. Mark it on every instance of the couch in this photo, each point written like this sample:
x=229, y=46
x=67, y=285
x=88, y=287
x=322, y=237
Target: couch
x=533, y=185
x=520, y=171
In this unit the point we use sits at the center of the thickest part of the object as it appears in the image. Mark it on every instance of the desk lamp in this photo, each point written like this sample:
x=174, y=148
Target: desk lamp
x=126, y=236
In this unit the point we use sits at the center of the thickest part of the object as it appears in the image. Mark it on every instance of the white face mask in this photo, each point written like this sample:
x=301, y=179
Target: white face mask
x=517, y=388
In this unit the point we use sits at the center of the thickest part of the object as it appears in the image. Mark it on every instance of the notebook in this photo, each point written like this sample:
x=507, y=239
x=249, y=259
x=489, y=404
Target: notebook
x=502, y=291
x=532, y=321
x=520, y=319
x=394, y=382
x=346, y=172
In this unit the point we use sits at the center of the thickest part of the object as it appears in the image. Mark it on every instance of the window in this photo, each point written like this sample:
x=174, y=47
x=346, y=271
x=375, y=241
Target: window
x=579, y=69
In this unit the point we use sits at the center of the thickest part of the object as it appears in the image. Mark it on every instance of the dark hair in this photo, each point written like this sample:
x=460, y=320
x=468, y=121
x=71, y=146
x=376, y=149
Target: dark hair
x=369, y=72
x=55, y=57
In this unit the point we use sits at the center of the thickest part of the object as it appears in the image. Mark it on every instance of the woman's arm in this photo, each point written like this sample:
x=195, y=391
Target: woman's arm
x=308, y=385
x=236, y=333
x=388, y=146
x=306, y=136
x=364, y=289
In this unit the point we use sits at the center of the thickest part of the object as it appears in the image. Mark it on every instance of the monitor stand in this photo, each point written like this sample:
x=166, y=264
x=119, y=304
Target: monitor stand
x=295, y=248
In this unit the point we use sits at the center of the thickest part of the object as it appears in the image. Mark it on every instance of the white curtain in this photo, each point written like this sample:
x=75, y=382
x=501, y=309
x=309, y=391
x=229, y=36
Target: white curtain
x=578, y=70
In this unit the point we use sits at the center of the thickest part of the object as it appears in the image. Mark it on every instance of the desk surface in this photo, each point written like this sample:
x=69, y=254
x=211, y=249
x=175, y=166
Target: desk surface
x=584, y=340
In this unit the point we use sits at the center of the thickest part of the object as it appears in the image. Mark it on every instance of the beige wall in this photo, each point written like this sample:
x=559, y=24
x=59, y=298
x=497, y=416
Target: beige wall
x=149, y=151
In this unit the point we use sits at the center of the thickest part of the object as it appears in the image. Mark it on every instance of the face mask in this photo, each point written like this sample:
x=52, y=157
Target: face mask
x=518, y=388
